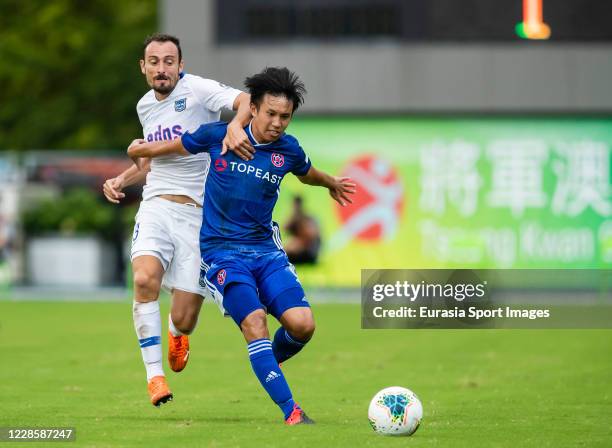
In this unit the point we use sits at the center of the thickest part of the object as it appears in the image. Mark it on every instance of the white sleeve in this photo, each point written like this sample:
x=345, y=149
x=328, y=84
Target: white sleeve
x=213, y=95
x=140, y=110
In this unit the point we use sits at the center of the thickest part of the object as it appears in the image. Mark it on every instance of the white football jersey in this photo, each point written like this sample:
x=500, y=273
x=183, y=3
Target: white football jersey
x=193, y=102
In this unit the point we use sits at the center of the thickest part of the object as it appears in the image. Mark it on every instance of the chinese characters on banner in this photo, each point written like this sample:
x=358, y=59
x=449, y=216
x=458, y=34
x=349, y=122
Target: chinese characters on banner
x=529, y=202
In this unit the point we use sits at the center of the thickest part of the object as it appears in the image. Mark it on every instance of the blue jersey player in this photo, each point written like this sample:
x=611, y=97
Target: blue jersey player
x=243, y=262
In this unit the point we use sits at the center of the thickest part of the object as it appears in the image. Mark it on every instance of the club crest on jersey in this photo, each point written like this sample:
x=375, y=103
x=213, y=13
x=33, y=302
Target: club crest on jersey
x=221, y=275
x=180, y=105
x=220, y=164
x=278, y=160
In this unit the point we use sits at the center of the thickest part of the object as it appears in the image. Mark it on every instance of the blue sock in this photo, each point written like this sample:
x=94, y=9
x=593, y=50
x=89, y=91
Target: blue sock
x=270, y=375
x=285, y=346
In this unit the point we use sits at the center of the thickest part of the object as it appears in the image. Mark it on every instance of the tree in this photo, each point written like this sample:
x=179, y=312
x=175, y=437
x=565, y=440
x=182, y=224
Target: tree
x=69, y=77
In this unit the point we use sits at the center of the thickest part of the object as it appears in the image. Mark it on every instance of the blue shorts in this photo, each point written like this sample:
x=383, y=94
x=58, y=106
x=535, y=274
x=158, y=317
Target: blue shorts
x=270, y=274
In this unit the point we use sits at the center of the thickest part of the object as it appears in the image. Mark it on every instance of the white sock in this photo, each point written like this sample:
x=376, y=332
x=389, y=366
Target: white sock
x=175, y=331
x=147, y=322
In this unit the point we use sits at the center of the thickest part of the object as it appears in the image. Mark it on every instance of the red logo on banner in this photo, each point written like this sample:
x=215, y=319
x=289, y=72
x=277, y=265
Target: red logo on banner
x=378, y=203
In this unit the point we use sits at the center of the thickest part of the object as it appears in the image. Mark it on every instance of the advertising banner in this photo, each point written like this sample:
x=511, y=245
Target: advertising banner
x=488, y=193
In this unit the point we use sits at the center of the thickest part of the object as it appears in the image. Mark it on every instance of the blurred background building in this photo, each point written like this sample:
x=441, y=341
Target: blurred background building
x=419, y=56
x=479, y=131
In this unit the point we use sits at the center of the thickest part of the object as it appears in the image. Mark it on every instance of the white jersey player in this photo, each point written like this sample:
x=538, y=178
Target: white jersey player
x=165, y=244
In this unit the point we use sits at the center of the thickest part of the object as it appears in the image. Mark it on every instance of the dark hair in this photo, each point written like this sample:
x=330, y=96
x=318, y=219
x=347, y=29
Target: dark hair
x=277, y=81
x=160, y=37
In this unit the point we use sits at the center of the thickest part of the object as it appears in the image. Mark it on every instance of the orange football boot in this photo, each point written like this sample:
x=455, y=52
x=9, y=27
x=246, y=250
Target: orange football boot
x=178, y=351
x=159, y=391
x=298, y=417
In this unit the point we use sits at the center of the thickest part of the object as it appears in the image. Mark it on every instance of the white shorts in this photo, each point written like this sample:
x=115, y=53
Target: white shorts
x=171, y=232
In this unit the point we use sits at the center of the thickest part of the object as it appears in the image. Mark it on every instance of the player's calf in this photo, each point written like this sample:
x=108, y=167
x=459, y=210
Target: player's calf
x=147, y=324
x=184, y=312
x=148, y=272
x=181, y=322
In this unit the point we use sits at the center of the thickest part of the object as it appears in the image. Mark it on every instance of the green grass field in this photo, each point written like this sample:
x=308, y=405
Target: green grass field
x=78, y=364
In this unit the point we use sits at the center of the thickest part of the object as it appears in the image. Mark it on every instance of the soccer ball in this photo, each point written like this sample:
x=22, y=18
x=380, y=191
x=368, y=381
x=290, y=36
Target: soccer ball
x=395, y=411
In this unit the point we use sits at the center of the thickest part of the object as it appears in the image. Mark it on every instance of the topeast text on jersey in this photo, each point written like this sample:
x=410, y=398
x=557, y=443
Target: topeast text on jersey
x=242, y=167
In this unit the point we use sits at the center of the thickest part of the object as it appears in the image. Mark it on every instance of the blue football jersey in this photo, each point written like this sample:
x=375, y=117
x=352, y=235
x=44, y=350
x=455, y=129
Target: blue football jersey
x=240, y=195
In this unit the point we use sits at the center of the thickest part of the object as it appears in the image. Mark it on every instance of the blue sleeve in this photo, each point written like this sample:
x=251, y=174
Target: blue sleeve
x=204, y=137
x=302, y=162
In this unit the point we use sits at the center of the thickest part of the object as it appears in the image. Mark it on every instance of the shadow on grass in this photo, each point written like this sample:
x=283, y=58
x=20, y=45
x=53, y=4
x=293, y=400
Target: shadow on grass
x=191, y=420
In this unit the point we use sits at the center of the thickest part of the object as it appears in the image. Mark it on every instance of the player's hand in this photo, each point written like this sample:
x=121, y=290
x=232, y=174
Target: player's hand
x=341, y=189
x=112, y=189
x=238, y=142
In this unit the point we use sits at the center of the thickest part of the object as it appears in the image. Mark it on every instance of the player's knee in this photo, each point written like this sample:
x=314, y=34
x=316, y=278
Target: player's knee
x=146, y=284
x=255, y=326
x=184, y=321
x=303, y=330
x=302, y=327
x=299, y=323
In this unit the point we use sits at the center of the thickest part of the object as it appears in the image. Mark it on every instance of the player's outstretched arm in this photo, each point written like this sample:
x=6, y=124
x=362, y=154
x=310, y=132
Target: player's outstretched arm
x=236, y=140
x=139, y=149
x=340, y=188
